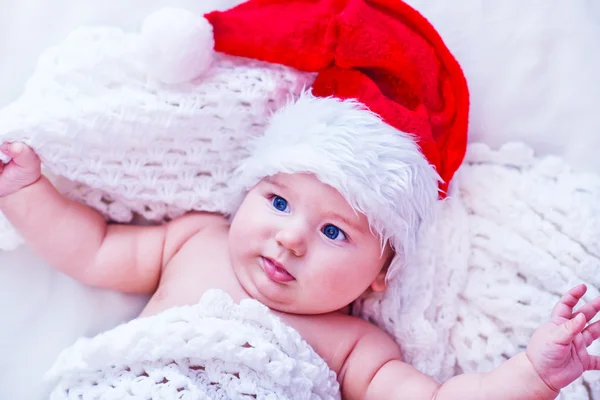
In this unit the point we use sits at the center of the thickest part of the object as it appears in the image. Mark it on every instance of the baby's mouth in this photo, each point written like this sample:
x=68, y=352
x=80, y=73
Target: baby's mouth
x=276, y=271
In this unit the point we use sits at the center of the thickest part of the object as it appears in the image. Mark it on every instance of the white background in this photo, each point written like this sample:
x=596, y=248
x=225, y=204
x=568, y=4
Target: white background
x=27, y=27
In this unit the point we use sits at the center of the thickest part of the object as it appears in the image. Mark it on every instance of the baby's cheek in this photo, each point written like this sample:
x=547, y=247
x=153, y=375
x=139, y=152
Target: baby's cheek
x=338, y=278
x=239, y=236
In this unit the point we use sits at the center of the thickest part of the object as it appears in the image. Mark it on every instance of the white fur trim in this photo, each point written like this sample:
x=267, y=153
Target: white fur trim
x=378, y=169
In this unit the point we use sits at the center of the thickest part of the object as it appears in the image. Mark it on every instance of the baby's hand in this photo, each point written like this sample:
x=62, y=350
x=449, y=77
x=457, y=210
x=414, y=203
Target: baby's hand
x=23, y=170
x=558, y=349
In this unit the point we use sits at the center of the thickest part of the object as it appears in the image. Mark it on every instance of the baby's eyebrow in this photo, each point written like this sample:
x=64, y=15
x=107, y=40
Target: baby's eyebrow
x=275, y=182
x=347, y=221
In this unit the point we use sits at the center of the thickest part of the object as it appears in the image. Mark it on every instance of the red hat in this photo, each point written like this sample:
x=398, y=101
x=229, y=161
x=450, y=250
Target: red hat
x=382, y=53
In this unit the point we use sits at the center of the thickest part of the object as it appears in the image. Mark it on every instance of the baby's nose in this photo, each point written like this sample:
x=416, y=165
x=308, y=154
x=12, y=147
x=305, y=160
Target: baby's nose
x=293, y=238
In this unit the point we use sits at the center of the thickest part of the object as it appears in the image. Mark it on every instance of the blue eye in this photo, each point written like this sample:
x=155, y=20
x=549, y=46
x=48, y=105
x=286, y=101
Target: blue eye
x=333, y=232
x=280, y=204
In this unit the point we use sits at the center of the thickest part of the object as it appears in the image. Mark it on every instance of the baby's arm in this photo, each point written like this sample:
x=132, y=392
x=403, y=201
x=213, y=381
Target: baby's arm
x=556, y=356
x=515, y=379
x=76, y=239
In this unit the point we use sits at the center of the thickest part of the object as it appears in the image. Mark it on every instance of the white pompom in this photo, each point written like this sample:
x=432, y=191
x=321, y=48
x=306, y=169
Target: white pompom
x=178, y=45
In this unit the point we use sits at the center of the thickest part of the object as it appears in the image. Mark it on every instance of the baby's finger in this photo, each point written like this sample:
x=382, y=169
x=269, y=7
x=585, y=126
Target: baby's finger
x=564, y=307
x=22, y=155
x=5, y=148
x=8, y=147
x=590, y=309
x=569, y=329
x=12, y=149
x=594, y=363
x=591, y=333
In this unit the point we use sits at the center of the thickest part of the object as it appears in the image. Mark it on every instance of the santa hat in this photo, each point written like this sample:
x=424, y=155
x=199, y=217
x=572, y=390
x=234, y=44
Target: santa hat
x=382, y=53
x=386, y=120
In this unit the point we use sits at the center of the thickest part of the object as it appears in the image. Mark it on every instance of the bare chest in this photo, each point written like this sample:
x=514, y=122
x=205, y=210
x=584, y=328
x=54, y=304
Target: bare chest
x=202, y=264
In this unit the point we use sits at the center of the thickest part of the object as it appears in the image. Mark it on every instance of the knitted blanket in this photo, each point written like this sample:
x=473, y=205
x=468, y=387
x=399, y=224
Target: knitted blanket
x=515, y=231
x=215, y=349
x=127, y=144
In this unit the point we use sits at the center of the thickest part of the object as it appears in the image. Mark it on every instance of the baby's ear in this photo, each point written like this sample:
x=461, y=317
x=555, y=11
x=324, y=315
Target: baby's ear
x=378, y=284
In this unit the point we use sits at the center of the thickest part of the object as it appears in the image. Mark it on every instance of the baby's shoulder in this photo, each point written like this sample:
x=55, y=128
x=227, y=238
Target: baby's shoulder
x=198, y=221
x=336, y=336
x=207, y=225
x=195, y=234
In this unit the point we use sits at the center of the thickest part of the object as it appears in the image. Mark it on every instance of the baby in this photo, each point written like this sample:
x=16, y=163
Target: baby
x=313, y=232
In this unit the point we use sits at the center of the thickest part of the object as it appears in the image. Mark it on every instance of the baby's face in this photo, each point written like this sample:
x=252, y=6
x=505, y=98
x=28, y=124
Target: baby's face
x=297, y=246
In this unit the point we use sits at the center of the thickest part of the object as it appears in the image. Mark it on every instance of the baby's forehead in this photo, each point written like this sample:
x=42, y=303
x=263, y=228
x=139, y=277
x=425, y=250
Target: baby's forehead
x=330, y=200
x=307, y=183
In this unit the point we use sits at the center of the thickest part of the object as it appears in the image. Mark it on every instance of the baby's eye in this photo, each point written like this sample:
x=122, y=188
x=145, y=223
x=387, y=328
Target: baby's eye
x=333, y=232
x=280, y=204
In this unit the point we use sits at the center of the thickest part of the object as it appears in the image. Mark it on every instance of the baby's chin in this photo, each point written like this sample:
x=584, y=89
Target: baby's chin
x=292, y=299
x=300, y=308
x=286, y=302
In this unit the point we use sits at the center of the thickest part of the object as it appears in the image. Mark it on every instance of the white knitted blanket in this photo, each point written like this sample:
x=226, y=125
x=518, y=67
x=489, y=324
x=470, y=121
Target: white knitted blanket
x=215, y=349
x=516, y=232
x=126, y=144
